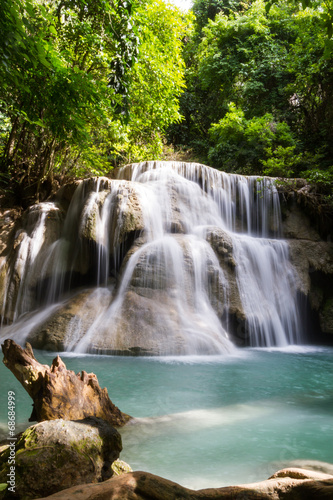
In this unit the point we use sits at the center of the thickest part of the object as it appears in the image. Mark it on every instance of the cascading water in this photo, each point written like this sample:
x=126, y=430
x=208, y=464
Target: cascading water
x=171, y=252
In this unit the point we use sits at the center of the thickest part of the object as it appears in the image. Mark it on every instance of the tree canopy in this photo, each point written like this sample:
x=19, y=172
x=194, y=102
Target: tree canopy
x=86, y=85
x=259, y=90
x=82, y=79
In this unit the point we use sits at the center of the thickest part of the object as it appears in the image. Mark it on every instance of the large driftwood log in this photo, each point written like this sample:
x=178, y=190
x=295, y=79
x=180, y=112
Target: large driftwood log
x=57, y=392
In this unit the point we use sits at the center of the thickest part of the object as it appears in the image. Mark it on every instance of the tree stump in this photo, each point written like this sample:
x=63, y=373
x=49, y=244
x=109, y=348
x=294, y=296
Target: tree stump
x=57, y=392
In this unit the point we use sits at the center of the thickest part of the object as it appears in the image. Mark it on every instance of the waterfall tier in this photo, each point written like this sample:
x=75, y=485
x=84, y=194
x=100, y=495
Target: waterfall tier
x=170, y=258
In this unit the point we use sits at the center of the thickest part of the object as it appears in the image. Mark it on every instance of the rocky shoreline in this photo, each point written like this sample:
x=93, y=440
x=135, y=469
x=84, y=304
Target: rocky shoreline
x=64, y=460
x=286, y=484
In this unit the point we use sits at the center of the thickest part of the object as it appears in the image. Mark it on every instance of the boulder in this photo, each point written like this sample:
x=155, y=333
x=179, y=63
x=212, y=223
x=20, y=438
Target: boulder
x=58, y=454
x=314, y=264
x=69, y=322
x=157, y=306
x=290, y=485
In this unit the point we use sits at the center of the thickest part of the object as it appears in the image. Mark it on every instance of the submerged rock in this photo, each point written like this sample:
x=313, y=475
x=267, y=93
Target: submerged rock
x=58, y=454
x=293, y=484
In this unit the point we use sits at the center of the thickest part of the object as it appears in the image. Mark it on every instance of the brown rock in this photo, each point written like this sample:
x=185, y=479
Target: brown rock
x=142, y=485
x=7, y=224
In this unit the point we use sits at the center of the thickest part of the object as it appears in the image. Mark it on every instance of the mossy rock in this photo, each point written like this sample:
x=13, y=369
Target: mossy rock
x=56, y=454
x=120, y=467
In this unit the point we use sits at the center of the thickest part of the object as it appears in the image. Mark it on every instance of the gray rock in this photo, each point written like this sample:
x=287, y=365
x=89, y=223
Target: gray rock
x=74, y=257
x=76, y=314
x=58, y=454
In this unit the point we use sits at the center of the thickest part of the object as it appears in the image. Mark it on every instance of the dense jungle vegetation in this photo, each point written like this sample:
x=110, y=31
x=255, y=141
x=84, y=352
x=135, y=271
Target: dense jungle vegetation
x=89, y=85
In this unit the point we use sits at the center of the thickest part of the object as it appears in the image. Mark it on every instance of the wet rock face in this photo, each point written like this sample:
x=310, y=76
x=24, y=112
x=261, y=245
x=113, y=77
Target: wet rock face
x=308, y=228
x=160, y=300
x=125, y=214
x=164, y=250
x=313, y=259
x=78, y=313
x=53, y=247
x=58, y=454
x=30, y=238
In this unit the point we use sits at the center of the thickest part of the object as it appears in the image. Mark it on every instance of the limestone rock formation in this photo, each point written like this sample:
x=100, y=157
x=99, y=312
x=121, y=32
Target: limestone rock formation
x=30, y=235
x=59, y=454
x=294, y=484
x=152, y=258
x=126, y=215
x=311, y=251
x=76, y=313
x=160, y=297
x=57, y=392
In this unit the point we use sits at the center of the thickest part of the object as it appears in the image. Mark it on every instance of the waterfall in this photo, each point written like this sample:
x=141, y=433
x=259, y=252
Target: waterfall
x=174, y=255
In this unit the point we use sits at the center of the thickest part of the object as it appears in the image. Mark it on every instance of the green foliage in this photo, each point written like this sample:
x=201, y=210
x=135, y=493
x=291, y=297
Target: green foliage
x=276, y=68
x=85, y=84
x=323, y=179
x=281, y=162
x=63, y=74
x=157, y=80
x=246, y=146
x=205, y=10
x=326, y=13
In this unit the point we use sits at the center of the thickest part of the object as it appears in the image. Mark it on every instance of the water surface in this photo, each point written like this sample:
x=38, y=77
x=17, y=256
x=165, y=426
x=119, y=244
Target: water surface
x=209, y=421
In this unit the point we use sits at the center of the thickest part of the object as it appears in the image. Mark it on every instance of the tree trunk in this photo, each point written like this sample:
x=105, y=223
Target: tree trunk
x=9, y=149
x=57, y=392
